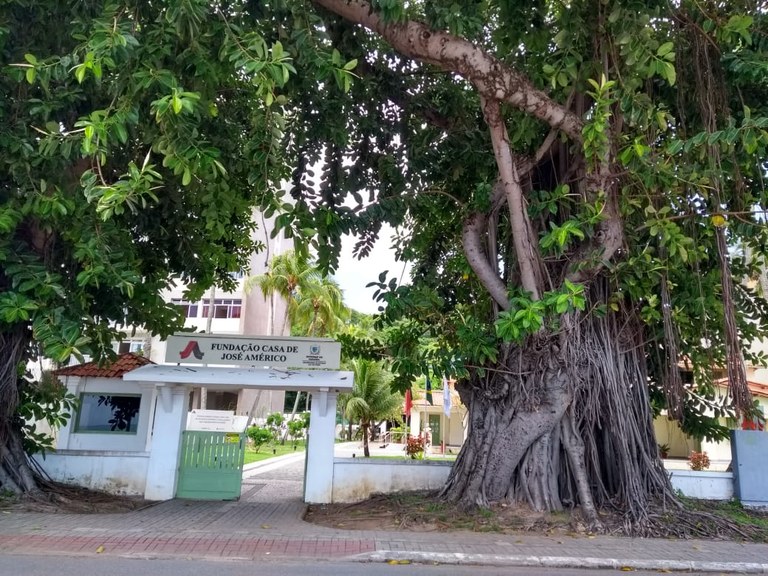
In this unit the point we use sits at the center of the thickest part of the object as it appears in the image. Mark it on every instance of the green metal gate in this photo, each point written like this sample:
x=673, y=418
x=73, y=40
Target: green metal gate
x=211, y=465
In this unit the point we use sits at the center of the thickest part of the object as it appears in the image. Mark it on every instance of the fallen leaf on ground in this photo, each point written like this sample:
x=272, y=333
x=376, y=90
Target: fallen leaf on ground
x=100, y=549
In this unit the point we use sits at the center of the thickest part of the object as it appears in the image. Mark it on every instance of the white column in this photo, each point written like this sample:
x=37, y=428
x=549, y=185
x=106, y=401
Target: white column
x=64, y=434
x=170, y=420
x=318, y=478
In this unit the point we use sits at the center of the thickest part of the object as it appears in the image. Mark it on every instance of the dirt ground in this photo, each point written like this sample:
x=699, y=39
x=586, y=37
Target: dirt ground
x=423, y=512
x=62, y=499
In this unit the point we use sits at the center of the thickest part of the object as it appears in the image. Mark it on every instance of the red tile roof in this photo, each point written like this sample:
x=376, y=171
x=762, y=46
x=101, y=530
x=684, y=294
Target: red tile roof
x=124, y=363
x=756, y=388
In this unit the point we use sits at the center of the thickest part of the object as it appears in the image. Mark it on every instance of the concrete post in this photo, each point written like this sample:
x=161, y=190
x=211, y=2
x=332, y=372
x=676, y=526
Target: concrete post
x=318, y=479
x=64, y=434
x=170, y=420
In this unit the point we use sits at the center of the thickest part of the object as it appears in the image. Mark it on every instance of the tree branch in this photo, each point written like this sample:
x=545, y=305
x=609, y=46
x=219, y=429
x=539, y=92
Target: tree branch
x=492, y=78
x=471, y=238
x=522, y=233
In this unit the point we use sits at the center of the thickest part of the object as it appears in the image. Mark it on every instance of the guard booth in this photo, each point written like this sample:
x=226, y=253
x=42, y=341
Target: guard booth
x=208, y=464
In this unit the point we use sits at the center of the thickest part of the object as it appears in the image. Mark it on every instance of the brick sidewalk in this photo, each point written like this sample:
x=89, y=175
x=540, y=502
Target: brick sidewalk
x=267, y=524
x=260, y=530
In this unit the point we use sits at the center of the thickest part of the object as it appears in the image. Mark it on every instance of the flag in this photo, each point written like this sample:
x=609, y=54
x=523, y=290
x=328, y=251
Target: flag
x=408, y=403
x=446, y=398
x=429, y=390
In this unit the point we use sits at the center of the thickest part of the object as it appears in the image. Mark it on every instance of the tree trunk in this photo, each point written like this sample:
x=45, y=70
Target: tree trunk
x=366, y=450
x=562, y=421
x=15, y=473
x=293, y=415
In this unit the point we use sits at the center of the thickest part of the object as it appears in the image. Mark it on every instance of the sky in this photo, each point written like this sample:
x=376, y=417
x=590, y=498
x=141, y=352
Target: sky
x=354, y=274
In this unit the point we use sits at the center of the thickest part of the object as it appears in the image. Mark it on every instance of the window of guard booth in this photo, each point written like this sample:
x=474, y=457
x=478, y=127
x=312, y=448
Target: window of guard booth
x=108, y=413
x=135, y=346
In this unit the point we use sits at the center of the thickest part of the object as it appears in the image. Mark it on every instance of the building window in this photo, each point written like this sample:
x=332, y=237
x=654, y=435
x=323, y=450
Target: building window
x=239, y=275
x=135, y=346
x=189, y=308
x=223, y=307
x=117, y=413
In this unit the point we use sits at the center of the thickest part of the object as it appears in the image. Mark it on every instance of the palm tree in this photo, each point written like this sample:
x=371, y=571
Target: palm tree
x=289, y=273
x=315, y=303
x=320, y=309
x=372, y=398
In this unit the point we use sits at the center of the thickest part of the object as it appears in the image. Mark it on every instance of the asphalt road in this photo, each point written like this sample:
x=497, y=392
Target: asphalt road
x=113, y=566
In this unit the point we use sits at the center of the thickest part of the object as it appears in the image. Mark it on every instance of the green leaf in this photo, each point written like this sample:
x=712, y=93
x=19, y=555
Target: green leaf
x=669, y=73
x=176, y=104
x=80, y=73
x=665, y=49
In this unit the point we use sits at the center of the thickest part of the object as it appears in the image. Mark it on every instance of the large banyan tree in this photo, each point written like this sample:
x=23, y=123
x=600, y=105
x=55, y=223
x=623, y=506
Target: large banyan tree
x=582, y=189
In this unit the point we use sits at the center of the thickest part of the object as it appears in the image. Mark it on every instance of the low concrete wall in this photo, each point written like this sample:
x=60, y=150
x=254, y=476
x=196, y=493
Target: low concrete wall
x=703, y=484
x=114, y=472
x=355, y=479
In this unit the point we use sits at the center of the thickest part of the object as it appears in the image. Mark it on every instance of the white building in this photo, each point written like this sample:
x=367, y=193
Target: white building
x=236, y=312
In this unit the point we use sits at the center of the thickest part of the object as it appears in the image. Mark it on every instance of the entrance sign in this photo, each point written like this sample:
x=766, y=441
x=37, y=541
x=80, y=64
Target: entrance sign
x=189, y=348
x=216, y=421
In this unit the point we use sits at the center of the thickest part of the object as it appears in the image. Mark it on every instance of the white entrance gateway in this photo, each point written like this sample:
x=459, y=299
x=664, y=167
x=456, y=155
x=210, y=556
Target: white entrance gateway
x=288, y=359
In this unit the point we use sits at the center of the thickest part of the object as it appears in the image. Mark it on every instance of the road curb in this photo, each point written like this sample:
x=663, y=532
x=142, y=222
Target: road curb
x=457, y=558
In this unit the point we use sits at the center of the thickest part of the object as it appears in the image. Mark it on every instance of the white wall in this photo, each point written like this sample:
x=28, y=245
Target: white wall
x=719, y=452
x=357, y=479
x=113, y=472
x=703, y=484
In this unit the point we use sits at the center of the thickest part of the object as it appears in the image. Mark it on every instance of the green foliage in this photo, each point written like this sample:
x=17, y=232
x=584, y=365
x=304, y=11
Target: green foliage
x=45, y=401
x=275, y=420
x=315, y=302
x=136, y=139
x=595, y=132
x=371, y=398
x=260, y=436
x=297, y=429
x=527, y=316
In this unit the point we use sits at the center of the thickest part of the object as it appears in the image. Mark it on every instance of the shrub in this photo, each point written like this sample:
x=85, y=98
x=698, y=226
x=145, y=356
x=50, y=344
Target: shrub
x=414, y=447
x=698, y=461
x=296, y=429
x=275, y=420
x=260, y=436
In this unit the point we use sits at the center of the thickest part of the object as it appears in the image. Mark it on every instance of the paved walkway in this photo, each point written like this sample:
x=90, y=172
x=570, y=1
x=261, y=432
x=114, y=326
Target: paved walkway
x=267, y=523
